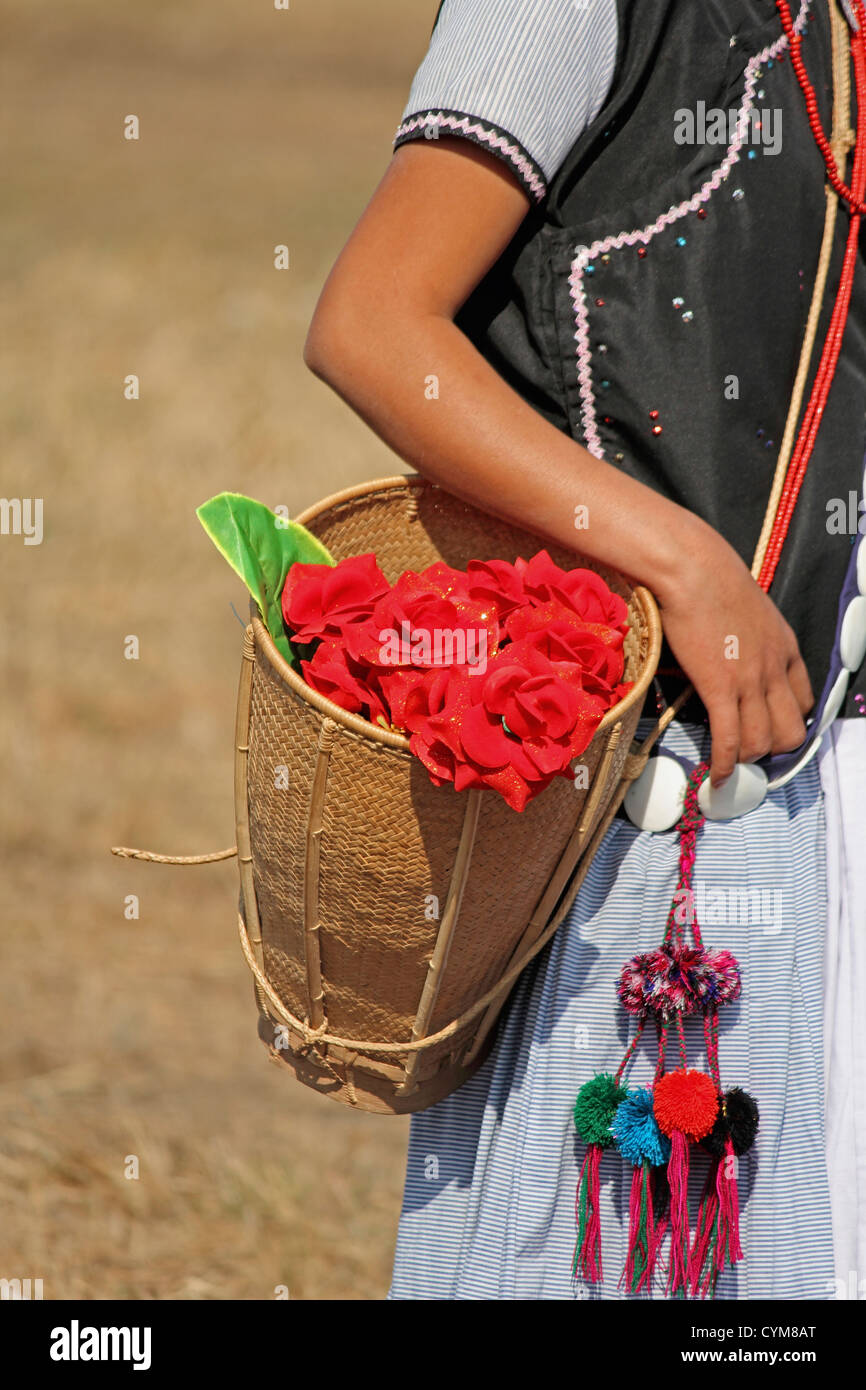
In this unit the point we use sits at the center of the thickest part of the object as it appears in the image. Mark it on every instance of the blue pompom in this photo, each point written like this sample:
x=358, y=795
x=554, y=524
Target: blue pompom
x=636, y=1133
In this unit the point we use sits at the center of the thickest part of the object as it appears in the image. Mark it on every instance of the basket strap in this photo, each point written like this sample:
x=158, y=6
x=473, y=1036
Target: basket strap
x=639, y=752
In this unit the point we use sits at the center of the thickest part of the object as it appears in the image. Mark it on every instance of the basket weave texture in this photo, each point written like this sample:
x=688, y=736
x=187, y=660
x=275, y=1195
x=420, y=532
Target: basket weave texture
x=386, y=919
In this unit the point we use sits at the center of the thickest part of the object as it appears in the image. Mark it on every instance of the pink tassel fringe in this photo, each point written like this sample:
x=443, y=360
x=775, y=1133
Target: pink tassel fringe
x=587, y=1258
x=678, y=1177
x=728, y=1245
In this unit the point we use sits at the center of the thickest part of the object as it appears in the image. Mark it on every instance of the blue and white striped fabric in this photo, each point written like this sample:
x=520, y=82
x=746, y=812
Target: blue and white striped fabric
x=488, y=1209
x=522, y=77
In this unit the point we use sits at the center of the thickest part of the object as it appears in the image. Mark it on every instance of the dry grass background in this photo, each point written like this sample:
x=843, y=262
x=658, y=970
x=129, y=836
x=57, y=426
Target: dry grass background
x=155, y=257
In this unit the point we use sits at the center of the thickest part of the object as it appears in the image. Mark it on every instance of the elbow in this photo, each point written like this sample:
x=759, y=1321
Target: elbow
x=336, y=345
x=354, y=344
x=319, y=354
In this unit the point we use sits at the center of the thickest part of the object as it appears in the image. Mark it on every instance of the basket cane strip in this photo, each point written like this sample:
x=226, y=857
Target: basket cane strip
x=564, y=869
x=315, y=994
x=242, y=821
x=439, y=959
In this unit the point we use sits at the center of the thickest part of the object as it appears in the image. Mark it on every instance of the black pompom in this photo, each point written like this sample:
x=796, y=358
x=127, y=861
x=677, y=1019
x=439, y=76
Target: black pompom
x=739, y=1120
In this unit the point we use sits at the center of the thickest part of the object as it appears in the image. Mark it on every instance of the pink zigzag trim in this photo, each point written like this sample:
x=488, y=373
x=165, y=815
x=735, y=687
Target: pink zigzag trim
x=645, y=234
x=489, y=137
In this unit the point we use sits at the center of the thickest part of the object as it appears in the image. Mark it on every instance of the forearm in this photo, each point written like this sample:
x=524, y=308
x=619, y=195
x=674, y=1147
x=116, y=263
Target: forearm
x=480, y=440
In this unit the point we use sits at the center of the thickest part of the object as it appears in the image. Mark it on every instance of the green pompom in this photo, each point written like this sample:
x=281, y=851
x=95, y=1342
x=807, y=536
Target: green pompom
x=595, y=1107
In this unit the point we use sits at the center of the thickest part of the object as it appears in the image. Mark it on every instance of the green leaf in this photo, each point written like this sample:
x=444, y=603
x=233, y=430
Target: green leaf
x=261, y=547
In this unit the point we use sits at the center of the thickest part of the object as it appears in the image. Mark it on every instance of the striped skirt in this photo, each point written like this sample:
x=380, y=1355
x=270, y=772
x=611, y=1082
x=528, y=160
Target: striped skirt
x=489, y=1202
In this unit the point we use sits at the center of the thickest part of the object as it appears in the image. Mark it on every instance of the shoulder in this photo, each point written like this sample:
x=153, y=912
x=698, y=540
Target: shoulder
x=522, y=77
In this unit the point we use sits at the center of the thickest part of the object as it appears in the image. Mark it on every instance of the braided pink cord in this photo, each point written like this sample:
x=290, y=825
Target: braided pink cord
x=631, y=1049
x=662, y=1029
x=688, y=826
x=711, y=1036
x=642, y=236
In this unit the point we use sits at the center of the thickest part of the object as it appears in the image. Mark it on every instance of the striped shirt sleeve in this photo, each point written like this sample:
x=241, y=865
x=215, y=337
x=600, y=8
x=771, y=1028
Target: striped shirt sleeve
x=523, y=78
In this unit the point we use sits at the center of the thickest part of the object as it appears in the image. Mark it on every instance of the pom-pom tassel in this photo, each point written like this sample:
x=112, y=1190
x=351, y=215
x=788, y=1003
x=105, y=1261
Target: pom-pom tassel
x=685, y=1105
x=587, y=1254
x=678, y=1178
x=643, y=1244
x=728, y=1248
x=661, y=1195
x=702, y=1262
x=717, y=1237
x=596, y=1104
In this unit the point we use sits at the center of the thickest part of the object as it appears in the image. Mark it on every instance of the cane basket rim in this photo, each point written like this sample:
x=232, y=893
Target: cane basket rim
x=375, y=733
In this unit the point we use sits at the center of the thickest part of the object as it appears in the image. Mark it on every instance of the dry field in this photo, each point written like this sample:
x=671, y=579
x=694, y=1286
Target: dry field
x=154, y=257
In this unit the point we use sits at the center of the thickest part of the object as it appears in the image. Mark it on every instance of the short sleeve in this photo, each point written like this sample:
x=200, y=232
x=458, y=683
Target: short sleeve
x=523, y=78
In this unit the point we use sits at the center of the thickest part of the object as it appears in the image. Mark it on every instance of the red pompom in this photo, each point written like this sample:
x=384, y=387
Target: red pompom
x=686, y=1101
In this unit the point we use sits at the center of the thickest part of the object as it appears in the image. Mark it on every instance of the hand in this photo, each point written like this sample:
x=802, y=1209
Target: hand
x=739, y=653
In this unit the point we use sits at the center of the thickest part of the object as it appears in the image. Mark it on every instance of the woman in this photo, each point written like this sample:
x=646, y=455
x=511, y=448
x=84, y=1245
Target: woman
x=567, y=294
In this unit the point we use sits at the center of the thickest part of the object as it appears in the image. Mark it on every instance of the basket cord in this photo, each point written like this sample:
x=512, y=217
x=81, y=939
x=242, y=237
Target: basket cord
x=125, y=853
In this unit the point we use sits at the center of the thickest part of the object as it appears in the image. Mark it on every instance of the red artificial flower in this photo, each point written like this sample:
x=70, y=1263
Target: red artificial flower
x=514, y=729
x=319, y=600
x=500, y=676
x=331, y=672
x=556, y=630
x=430, y=705
x=581, y=590
x=411, y=694
x=426, y=620
x=542, y=703
x=498, y=583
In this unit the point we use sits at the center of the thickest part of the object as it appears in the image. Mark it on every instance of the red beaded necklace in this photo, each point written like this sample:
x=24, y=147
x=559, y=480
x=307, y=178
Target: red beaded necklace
x=845, y=193
x=853, y=198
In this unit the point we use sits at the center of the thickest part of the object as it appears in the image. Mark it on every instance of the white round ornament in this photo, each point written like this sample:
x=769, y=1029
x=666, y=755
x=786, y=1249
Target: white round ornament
x=654, y=801
x=744, y=790
x=835, y=700
x=852, y=635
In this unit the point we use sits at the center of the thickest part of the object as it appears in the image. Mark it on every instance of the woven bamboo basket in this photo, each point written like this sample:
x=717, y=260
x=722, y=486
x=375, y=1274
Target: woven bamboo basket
x=385, y=920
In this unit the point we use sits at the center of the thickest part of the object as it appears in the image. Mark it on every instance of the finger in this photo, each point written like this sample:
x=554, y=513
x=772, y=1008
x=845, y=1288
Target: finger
x=756, y=726
x=789, y=726
x=798, y=680
x=725, y=739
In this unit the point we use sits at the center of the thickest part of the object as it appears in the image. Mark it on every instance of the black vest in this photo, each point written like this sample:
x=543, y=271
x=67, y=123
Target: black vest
x=705, y=326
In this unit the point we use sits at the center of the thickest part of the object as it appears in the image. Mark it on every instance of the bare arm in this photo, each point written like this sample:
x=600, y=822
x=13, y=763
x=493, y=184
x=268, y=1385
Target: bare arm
x=385, y=323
